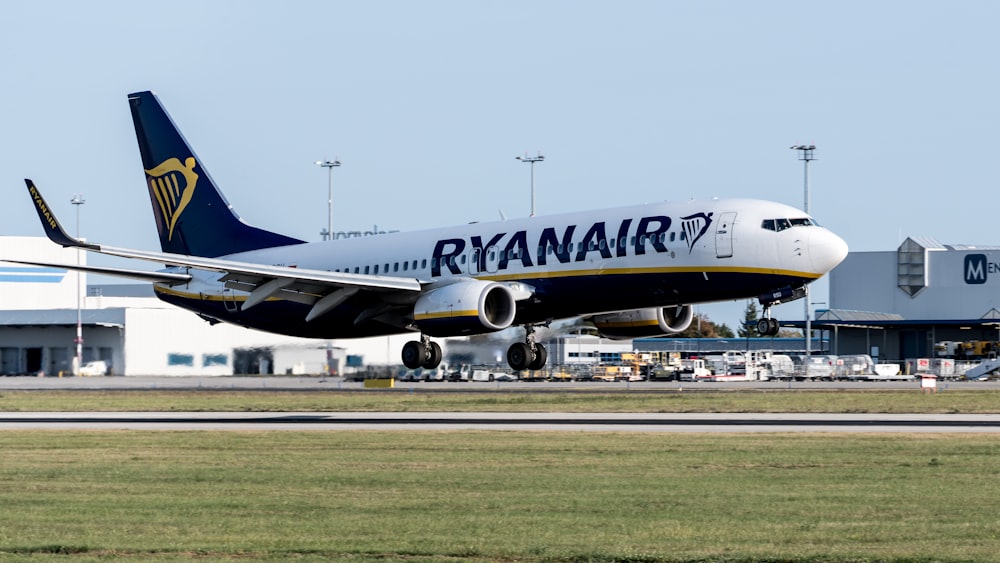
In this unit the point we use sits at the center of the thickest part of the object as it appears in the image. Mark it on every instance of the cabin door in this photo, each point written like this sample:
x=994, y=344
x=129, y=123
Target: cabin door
x=724, y=235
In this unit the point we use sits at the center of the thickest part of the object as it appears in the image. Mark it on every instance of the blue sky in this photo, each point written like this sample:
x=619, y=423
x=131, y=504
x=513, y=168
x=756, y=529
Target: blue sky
x=427, y=104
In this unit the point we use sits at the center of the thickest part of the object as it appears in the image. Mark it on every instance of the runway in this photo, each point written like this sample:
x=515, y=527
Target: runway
x=313, y=384
x=483, y=421
x=537, y=422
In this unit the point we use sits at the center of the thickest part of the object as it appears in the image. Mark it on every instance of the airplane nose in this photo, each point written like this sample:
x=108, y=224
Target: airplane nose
x=826, y=250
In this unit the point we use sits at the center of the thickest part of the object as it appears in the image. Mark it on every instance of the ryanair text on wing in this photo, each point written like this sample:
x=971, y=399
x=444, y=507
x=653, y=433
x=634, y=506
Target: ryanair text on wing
x=40, y=203
x=650, y=232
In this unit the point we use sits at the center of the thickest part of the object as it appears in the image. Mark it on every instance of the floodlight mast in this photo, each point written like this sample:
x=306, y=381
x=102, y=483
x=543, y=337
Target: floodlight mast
x=532, y=160
x=77, y=201
x=329, y=165
x=806, y=156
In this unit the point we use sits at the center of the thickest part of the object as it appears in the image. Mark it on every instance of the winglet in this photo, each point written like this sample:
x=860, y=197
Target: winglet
x=53, y=229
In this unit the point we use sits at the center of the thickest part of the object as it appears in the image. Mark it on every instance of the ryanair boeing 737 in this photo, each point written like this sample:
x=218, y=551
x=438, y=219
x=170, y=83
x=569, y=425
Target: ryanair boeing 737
x=629, y=271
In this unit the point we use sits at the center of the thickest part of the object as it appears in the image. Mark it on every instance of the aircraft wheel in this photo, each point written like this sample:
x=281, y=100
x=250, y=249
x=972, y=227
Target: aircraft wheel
x=413, y=354
x=763, y=326
x=541, y=355
x=772, y=329
x=433, y=357
x=518, y=356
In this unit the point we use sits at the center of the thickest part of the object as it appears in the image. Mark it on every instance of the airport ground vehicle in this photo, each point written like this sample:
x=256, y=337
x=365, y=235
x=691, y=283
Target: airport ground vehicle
x=467, y=372
x=815, y=367
x=420, y=374
x=94, y=368
x=861, y=367
x=614, y=373
x=693, y=369
x=409, y=375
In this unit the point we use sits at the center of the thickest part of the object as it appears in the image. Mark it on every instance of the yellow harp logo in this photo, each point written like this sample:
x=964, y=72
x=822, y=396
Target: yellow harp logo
x=172, y=184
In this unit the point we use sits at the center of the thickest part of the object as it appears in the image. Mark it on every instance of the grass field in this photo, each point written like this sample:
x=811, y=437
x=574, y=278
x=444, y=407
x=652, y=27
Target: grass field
x=498, y=496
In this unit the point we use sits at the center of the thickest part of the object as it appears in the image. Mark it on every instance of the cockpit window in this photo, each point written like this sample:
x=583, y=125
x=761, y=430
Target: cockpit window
x=783, y=223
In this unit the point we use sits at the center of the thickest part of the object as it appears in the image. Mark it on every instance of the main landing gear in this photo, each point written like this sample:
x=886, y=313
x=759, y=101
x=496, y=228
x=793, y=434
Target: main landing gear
x=768, y=326
x=423, y=354
x=529, y=354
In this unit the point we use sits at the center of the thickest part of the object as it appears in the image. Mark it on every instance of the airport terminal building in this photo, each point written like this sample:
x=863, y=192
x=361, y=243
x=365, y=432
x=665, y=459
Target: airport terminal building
x=900, y=304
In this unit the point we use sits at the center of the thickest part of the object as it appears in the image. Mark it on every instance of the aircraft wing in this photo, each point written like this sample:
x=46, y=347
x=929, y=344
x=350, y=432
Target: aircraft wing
x=321, y=288
x=252, y=273
x=144, y=275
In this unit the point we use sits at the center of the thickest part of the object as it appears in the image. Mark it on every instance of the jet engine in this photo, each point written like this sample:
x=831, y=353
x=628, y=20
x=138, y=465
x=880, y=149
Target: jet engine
x=642, y=323
x=466, y=307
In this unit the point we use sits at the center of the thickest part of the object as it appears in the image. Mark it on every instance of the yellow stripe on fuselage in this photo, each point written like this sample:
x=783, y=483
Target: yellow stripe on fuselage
x=529, y=274
x=446, y=315
x=630, y=324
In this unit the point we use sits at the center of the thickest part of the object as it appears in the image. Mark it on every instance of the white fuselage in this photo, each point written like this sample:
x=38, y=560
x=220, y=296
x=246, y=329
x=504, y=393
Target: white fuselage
x=563, y=265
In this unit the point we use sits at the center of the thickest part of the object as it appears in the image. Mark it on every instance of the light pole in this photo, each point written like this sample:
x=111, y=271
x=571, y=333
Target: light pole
x=77, y=201
x=329, y=165
x=532, y=160
x=806, y=156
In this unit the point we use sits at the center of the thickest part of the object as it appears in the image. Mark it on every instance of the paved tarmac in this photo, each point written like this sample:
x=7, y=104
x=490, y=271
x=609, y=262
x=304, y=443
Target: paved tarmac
x=603, y=422
x=295, y=383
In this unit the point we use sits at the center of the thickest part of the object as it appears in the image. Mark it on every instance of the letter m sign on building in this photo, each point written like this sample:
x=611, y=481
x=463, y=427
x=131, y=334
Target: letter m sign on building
x=975, y=268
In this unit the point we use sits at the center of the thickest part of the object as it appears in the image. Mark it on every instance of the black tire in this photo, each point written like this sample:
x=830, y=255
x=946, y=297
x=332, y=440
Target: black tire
x=518, y=356
x=772, y=329
x=433, y=357
x=541, y=355
x=413, y=354
x=763, y=326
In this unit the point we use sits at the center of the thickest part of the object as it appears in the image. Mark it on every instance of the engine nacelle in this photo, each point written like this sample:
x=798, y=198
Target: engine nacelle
x=643, y=322
x=466, y=307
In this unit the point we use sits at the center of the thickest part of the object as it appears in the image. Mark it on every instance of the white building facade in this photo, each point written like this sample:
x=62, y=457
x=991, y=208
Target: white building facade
x=137, y=334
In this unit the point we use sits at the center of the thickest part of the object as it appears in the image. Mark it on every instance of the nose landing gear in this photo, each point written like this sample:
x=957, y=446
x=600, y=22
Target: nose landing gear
x=766, y=325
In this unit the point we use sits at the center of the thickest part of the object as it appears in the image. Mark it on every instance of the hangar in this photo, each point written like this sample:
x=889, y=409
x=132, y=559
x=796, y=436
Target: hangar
x=137, y=334
x=898, y=305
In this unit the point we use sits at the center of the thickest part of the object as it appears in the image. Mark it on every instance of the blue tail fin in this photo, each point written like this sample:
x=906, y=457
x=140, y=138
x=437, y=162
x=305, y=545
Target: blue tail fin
x=192, y=215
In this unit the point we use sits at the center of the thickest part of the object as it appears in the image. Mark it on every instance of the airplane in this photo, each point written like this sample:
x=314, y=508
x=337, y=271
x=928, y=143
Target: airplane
x=633, y=271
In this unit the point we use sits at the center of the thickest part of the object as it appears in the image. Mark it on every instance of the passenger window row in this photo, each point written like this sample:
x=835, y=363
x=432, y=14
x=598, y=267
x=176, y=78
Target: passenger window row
x=374, y=270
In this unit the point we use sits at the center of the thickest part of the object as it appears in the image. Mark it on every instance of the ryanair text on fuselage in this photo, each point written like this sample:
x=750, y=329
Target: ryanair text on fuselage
x=649, y=230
